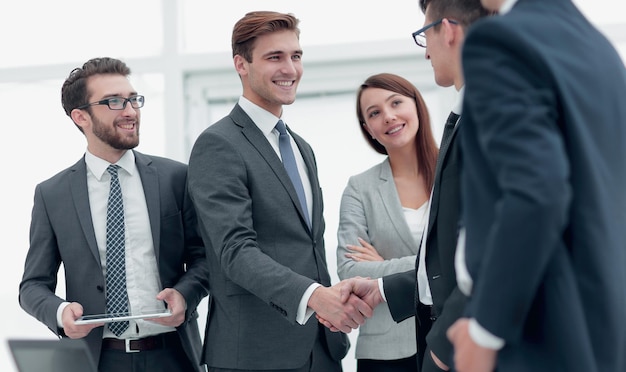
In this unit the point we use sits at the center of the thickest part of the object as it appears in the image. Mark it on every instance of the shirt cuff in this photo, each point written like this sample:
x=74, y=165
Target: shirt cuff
x=304, y=312
x=483, y=337
x=60, y=313
x=381, y=288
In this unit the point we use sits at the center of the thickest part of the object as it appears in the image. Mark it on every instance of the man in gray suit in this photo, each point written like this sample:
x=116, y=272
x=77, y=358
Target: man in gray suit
x=263, y=228
x=160, y=258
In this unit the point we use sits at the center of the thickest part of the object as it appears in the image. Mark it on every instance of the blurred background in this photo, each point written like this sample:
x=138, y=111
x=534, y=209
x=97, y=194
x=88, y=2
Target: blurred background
x=179, y=52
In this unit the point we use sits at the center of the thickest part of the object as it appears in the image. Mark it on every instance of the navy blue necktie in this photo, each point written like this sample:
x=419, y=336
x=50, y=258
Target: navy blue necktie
x=289, y=162
x=116, y=296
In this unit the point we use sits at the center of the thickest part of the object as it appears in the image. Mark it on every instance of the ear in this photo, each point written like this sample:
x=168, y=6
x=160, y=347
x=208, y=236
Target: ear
x=241, y=65
x=80, y=118
x=453, y=32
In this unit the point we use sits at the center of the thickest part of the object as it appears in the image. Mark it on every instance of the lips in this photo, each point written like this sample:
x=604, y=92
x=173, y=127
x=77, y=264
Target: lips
x=127, y=125
x=284, y=83
x=395, y=129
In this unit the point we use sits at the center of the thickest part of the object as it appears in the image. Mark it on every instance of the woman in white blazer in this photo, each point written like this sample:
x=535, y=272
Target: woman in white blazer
x=384, y=211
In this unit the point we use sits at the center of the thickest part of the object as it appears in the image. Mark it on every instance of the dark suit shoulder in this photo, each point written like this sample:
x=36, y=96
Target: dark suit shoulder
x=162, y=164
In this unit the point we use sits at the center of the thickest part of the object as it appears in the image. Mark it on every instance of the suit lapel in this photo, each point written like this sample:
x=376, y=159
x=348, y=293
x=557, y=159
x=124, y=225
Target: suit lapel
x=434, y=203
x=391, y=201
x=150, y=183
x=80, y=197
x=258, y=140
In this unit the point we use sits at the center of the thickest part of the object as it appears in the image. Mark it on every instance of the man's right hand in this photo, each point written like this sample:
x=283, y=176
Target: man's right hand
x=354, y=291
x=69, y=315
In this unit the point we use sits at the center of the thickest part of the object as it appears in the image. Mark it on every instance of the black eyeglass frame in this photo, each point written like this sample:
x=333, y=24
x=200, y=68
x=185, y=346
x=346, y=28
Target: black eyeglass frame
x=422, y=31
x=137, y=101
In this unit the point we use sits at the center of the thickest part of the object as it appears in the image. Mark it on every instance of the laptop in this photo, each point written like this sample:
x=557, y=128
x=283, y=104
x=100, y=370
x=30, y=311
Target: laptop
x=53, y=355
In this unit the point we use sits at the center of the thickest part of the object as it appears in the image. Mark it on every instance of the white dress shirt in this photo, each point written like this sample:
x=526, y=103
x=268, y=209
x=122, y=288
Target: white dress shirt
x=142, y=275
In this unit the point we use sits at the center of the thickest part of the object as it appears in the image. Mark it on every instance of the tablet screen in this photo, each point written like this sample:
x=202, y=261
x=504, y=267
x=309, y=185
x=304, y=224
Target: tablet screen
x=118, y=317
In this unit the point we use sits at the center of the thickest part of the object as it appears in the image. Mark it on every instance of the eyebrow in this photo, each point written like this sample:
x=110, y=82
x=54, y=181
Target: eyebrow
x=272, y=52
x=111, y=95
x=392, y=96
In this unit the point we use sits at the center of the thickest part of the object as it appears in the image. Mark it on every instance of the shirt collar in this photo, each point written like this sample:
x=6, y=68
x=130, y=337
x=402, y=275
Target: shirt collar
x=262, y=118
x=506, y=6
x=98, y=166
x=458, y=105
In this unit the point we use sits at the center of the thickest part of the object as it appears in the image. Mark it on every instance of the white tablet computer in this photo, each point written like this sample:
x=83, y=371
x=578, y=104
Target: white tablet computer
x=118, y=317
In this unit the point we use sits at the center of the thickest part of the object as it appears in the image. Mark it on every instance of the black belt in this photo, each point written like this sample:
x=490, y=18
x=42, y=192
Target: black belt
x=130, y=345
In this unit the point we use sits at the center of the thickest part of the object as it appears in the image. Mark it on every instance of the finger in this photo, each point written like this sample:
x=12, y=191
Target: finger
x=365, y=244
x=362, y=308
x=164, y=295
x=356, y=248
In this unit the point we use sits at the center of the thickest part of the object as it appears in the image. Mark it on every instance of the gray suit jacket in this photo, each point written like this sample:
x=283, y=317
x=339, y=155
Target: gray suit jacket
x=261, y=253
x=371, y=209
x=62, y=232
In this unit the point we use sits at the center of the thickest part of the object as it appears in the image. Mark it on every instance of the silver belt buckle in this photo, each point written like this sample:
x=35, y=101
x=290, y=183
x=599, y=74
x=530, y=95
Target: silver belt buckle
x=127, y=344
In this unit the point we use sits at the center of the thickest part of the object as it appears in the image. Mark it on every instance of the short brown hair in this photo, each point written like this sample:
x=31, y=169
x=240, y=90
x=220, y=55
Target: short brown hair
x=426, y=147
x=258, y=23
x=465, y=12
x=74, y=90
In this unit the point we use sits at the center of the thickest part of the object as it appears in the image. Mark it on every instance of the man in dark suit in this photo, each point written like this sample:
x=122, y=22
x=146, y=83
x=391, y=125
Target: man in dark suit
x=432, y=285
x=261, y=219
x=160, y=258
x=439, y=301
x=542, y=252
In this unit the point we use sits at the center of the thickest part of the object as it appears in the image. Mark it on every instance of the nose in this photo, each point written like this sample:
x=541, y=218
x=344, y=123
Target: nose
x=129, y=110
x=389, y=116
x=289, y=67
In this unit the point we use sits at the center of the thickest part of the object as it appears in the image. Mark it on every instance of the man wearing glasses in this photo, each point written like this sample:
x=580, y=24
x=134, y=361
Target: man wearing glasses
x=439, y=301
x=122, y=225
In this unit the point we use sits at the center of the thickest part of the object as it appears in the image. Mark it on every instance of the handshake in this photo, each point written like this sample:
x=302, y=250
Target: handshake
x=345, y=306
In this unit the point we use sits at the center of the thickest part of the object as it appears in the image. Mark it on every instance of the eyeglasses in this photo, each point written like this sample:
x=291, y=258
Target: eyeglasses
x=420, y=35
x=118, y=103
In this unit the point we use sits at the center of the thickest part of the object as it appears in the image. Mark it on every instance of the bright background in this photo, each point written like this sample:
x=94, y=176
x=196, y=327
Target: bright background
x=179, y=53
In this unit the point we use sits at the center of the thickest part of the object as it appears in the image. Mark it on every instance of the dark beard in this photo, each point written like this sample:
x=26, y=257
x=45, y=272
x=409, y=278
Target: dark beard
x=108, y=135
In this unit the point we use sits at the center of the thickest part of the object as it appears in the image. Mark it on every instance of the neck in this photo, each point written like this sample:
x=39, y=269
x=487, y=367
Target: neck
x=404, y=162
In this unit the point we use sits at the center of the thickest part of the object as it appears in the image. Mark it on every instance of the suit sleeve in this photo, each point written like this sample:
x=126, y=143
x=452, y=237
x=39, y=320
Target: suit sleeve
x=194, y=284
x=518, y=139
x=37, y=288
x=400, y=293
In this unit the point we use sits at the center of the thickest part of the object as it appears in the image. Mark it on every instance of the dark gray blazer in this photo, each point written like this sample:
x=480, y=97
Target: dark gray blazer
x=543, y=188
x=62, y=232
x=443, y=222
x=261, y=253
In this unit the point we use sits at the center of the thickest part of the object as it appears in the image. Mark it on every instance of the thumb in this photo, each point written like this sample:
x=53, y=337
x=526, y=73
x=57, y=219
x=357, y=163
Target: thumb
x=164, y=295
x=345, y=290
